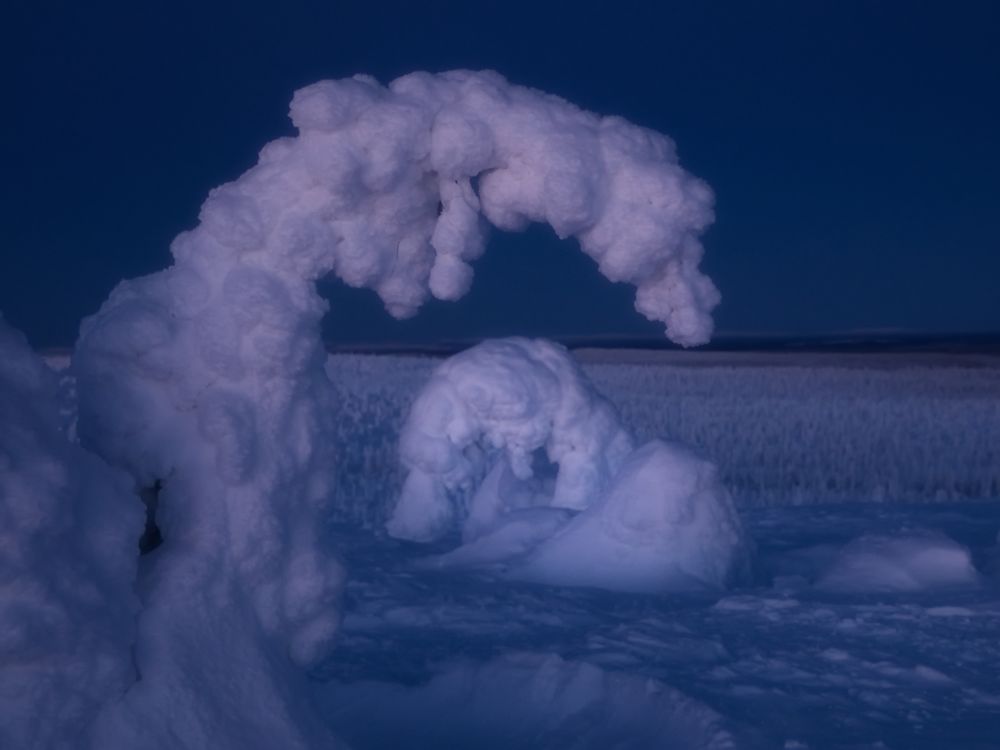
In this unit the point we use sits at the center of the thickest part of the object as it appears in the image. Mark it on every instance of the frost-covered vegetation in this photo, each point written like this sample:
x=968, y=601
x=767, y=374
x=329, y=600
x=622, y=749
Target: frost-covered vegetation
x=781, y=431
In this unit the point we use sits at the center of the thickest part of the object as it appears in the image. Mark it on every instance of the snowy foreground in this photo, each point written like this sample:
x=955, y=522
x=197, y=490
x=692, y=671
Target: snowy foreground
x=869, y=620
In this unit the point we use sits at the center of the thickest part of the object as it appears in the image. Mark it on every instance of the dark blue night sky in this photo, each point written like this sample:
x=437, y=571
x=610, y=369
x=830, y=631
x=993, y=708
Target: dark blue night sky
x=852, y=146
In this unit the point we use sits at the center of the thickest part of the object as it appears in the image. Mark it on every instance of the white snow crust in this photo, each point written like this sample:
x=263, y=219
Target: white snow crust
x=69, y=530
x=613, y=517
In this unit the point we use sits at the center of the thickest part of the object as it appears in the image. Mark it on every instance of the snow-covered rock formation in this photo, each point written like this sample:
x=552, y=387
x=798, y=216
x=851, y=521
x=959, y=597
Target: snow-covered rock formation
x=69, y=530
x=510, y=440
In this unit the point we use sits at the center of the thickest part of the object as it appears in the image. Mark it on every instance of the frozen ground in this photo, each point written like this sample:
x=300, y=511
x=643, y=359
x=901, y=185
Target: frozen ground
x=790, y=661
x=867, y=625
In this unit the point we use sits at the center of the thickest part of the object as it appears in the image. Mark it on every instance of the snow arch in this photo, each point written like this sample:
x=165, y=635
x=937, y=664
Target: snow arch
x=208, y=376
x=614, y=516
x=471, y=435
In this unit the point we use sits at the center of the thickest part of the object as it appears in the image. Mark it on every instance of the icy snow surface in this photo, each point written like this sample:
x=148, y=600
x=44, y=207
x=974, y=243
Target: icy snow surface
x=480, y=661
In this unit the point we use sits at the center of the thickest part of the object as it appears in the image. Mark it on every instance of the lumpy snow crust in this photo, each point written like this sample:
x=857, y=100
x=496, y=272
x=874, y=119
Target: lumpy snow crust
x=511, y=442
x=69, y=526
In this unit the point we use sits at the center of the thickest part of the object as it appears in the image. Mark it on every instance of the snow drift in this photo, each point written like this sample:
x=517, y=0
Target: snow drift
x=206, y=381
x=510, y=440
x=526, y=700
x=915, y=561
x=69, y=528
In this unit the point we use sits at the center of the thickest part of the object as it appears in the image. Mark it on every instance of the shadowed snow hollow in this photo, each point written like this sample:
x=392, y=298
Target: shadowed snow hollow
x=511, y=441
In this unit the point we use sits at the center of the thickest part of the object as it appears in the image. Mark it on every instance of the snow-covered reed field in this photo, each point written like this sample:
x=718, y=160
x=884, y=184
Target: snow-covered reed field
x=784, y=429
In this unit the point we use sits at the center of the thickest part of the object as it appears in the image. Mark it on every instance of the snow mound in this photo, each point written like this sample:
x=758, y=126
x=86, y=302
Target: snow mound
x=610, y=516
x=521, y=701
x=906, y=563
x=486, y=412
x=666, y=523
x=69, y=531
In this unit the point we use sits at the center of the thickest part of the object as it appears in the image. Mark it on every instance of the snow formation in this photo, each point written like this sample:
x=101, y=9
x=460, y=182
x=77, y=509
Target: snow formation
x=915, y=561
x=481, y=444
x=69, y=529
x=782, y=429
x=206, y=381
x=522, y=700
x=511, y=396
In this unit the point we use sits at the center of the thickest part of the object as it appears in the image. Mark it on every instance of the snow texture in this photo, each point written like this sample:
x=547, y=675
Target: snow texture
x=69, y=529
x=524, y=700
x=485, y=413
x=910, y=562
x=614, y=517
x=666, y=523
x=207, y=380
x=782, y=429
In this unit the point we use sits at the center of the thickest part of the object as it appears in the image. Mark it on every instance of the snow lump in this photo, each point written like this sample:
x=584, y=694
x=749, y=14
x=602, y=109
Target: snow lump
x=510, y=442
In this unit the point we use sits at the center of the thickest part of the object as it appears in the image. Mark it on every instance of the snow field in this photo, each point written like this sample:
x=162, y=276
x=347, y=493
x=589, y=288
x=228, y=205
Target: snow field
x=779, y=434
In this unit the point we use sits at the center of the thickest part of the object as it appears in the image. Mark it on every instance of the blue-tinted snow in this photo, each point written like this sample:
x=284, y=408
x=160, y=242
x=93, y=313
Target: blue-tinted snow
x=852, y=473
x=783, y=429
x=780, y=662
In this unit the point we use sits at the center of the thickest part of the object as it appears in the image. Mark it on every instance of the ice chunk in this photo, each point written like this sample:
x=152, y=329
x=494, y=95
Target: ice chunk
x=908, y=562
x=69, y=532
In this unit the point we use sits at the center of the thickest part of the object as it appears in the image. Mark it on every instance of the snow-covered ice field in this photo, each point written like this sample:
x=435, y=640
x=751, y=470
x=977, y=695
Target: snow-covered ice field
x=869, y=484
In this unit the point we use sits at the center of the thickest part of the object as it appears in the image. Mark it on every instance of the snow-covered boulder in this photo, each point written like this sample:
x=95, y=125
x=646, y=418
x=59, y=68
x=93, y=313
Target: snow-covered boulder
x=607, y=515
x=69, y=534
